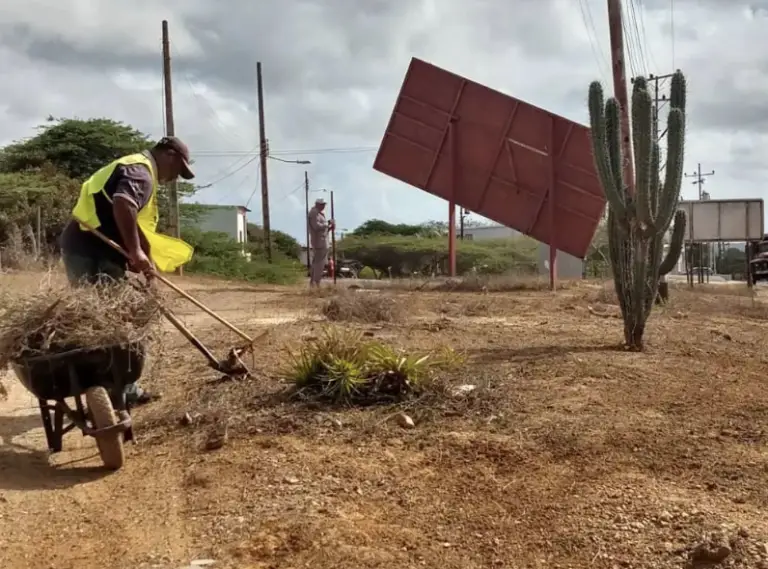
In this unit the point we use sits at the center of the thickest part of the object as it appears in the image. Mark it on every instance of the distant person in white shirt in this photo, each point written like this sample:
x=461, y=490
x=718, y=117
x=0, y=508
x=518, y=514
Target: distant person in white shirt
x=319, y=228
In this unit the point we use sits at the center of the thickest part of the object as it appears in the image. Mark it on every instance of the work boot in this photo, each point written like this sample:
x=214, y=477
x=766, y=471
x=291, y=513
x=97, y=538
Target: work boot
x=144, y=397
x=136, y=396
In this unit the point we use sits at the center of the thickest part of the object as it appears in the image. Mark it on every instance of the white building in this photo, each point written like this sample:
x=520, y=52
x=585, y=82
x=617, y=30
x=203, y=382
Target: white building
x=229, y=219
x=490, y=232
x=568, y=266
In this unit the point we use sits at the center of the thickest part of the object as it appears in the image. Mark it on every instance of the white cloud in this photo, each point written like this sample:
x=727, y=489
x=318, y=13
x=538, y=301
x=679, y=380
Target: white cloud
x=333, y=68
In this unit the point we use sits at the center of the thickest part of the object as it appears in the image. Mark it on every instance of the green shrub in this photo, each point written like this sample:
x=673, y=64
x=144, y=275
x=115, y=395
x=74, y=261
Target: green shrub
x=342, y=366
x=406, y=255
x=219, y=255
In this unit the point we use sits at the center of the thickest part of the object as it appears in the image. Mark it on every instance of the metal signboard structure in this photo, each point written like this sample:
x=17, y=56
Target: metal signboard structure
x=494, y=155
x=723, y=220
x=710, y=221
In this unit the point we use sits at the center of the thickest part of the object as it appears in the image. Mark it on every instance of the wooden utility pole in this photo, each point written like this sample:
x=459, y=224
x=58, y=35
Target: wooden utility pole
x=620, y=88
x=174, y=226
x=170, y=130
x=306, y=215
x=699, y=181
x=264, y=152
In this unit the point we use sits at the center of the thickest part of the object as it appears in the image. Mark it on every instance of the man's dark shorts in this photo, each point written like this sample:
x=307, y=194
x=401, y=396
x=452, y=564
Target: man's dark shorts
x=83, y=269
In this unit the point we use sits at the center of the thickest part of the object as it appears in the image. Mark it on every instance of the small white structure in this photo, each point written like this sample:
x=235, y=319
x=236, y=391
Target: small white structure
x=229, y=219
x=490, y=232
x=568, y=266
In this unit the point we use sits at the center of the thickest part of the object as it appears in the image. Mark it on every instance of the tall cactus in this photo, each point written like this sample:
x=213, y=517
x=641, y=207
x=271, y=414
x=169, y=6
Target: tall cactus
x=638, y=222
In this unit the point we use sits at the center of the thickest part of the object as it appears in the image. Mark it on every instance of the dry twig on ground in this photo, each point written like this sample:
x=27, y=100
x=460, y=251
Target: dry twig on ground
x=56, y=319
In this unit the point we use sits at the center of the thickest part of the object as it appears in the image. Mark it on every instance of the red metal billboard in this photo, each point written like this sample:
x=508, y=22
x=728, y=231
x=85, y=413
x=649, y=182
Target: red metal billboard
x=494, y=155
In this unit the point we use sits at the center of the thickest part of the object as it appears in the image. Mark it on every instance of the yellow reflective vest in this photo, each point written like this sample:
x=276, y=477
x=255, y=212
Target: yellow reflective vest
x=167, y=253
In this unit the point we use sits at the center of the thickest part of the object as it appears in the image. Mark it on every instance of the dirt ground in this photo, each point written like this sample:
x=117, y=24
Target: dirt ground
x=568, y=452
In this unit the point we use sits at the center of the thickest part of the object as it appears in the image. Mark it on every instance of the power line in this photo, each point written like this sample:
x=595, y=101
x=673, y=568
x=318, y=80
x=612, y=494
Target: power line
x=594, y=44
x=230, y=174
x=672, y=28
x=645, y=36
x=213, y=116
x=297, y=152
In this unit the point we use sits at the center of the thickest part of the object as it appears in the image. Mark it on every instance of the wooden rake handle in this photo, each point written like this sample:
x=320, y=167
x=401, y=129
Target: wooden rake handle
x=169, y=284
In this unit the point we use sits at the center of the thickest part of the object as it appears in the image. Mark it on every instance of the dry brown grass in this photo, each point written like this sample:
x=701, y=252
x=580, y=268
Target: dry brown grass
x=475, y=283
x=558, y=451
x=362, y=306
x=55, y=318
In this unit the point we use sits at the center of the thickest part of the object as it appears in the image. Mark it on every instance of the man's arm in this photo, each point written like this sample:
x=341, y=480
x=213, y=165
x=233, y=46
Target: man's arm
x=133, y=190
x=317, y=221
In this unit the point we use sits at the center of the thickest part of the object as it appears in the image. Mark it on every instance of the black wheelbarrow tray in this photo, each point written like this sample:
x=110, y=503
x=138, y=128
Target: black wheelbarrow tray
x=100, y=376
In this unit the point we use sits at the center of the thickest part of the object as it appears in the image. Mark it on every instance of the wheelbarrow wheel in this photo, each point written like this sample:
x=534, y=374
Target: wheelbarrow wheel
x=103, y=415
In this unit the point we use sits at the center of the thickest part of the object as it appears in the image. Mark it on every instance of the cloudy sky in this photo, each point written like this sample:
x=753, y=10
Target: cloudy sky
x=333, y=68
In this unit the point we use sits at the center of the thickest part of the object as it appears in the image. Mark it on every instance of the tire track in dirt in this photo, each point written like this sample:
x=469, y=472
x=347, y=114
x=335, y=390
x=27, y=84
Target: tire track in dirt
x=66, y=511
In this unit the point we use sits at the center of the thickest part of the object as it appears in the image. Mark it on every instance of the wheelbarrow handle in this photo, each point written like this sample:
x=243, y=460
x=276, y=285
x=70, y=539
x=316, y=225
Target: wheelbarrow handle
x=169, y=284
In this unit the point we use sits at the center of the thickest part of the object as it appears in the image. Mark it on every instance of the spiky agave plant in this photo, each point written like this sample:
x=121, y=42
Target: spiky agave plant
x=638, y=222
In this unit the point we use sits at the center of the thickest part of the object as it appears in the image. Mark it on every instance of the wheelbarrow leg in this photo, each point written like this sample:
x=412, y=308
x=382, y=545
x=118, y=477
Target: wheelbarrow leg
x=58, y=428
x=54, y=442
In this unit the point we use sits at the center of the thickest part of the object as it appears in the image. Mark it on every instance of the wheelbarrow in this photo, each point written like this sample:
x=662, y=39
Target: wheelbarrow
x=96, y=380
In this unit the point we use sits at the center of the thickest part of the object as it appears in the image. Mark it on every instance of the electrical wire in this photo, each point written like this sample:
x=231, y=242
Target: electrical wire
x=210, y=111
x=672, y=29
x=594, y=44
x=228, y=175
x=629, y=48
x=648, y=51
x=289, y=194
x=298, y=152
x=635, y=29
x=255, y=188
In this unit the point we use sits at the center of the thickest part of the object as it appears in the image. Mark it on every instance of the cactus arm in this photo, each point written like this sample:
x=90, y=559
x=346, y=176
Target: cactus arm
x=677, y=91
x=604, y=160
x=675, y=244
x=639, y=85
x=655, y=176
x=619, y=256
x=617, y=196
x=642, y=128
x=670, y=194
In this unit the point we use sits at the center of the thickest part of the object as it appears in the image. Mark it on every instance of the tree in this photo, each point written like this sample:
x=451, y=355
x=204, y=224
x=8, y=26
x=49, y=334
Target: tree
x=77, y=148
x=380, y=227
x=22, y=194
x=403, y=255
x=284, y=243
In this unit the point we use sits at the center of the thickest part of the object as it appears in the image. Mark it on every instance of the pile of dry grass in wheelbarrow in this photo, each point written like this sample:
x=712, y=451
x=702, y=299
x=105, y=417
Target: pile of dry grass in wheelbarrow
x=55, y=319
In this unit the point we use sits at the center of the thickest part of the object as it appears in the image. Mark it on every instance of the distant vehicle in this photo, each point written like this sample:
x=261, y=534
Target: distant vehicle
x=348, y=269
x=758, y=266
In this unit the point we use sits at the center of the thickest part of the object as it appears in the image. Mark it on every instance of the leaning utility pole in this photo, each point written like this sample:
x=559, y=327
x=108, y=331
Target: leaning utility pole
x=264, y=152
x=174, y=225
x=620, y=88
x=699, y=181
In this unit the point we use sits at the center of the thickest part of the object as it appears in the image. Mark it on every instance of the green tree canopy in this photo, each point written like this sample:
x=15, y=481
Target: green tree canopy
x=75, y=147
x=284, y=243
x=381, y=227
x=64, y=153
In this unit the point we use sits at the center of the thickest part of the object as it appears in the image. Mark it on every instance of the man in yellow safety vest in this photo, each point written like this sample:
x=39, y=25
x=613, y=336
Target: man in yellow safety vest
x=120, y=200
